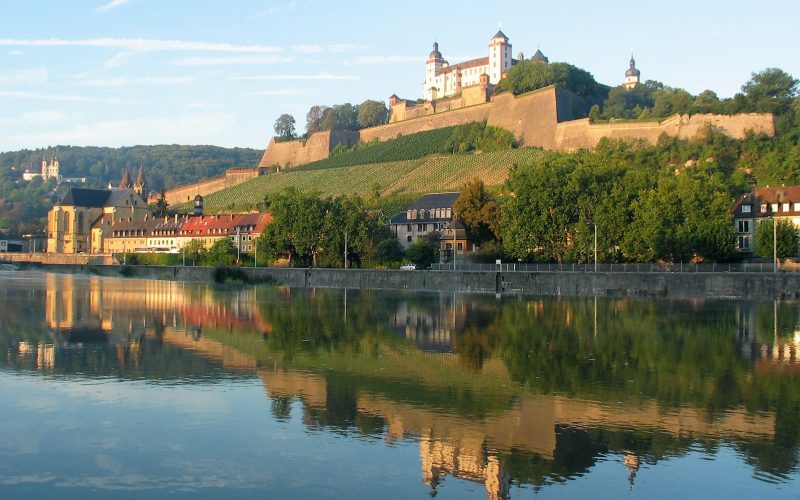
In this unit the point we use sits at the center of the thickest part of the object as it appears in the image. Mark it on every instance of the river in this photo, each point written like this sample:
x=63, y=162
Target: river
x=127, y=388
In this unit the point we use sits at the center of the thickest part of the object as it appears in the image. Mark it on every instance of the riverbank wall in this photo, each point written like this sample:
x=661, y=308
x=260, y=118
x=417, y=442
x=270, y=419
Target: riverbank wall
x=702, y=285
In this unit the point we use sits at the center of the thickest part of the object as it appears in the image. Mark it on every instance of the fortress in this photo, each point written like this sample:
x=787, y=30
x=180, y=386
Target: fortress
x=551, y=118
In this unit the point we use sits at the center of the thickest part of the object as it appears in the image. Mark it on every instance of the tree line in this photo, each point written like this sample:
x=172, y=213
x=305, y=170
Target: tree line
x=345, y=116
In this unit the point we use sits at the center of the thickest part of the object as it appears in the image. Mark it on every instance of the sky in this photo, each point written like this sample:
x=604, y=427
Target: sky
x=127, y=72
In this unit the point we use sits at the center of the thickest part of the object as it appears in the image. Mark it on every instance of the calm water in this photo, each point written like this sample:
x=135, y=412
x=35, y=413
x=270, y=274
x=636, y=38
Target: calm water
x=153, y=389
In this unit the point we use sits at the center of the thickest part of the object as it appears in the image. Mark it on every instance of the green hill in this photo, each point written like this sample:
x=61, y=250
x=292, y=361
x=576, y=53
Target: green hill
x=400, y=179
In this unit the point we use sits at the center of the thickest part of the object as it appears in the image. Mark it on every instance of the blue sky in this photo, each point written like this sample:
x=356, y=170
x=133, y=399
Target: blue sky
x=126, y=72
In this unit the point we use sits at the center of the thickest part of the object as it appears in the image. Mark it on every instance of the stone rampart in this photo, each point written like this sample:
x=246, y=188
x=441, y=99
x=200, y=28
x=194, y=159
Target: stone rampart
x=542, y=118
x=577, y=134
x=316, y=147
x=187, y=192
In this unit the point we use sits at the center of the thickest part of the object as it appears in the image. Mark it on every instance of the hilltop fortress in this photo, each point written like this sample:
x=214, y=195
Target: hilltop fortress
x=550, y=117
x=547, y=118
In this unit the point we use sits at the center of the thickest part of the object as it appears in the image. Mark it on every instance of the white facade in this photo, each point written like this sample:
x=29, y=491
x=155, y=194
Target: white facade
x=443, y=79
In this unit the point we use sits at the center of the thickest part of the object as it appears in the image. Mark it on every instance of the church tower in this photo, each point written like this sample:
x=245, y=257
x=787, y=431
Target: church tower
x=499, y=57
x=434, y=63
x=125, y=182
x=632, y=75
x=50, y=169
x=139, y=185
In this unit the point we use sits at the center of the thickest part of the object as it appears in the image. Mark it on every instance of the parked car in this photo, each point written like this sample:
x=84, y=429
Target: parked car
x=408, y=267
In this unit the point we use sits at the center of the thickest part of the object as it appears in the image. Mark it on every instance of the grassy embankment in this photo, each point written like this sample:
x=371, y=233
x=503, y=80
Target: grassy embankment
x=420, y=167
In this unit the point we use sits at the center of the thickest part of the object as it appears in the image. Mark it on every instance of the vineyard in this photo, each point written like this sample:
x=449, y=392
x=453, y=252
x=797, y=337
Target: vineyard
x=399, y=180
x=408, y=147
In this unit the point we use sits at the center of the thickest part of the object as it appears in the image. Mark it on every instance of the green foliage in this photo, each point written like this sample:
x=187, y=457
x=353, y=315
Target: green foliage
x=389, y=251
x=422, y=253
x=195, y=253
x=372, y=113
x=309, y=230
x=221, y=253
x=284, y=127
x=787, y=238
x=531, y=75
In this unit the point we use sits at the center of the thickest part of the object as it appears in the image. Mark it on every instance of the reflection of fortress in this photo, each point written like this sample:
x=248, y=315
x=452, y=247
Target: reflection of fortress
x=540, y=428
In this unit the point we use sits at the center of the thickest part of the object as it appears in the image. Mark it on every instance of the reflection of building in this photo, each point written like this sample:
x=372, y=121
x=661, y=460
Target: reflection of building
x=431, y=326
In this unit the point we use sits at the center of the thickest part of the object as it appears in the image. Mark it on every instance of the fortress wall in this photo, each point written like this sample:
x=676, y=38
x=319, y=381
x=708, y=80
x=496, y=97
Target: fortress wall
x=187, y=192
x=578, y=134
x=317, y=147
x=531, y=117
x=429, y=122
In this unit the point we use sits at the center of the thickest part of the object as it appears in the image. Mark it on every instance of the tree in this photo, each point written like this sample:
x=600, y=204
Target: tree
x=284, y=127
x=222, y=252
x=771, y=91
x=422, y=253
x=195, y=252
x=389, y=250
x=314, y=119
x=479, y=212
x=372, y=113
x=531, y=75
x=346, y=116
x=787, y=238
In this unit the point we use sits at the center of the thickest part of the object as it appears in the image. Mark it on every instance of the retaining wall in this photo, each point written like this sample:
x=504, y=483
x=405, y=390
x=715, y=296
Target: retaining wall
x=751, y=286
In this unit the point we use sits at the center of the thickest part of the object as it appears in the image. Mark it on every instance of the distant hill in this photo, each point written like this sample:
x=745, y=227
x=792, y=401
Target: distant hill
x=24, y=205
x=165, y=166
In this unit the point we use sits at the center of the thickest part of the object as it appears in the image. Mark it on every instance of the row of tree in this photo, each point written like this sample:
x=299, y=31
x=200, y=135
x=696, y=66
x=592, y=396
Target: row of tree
x=337, y=117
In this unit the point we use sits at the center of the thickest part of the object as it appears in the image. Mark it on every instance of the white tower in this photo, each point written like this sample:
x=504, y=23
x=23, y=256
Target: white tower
x=632, y=75
x=499, y=57
x=435, y=62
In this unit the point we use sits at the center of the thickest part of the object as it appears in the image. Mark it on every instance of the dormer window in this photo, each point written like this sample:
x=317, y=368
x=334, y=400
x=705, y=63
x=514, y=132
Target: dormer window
x=775, y=207
x=785, y=207
x=763, y=207
x=746, y=209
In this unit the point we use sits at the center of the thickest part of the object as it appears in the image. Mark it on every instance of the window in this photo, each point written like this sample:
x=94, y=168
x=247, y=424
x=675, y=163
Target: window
x=747, y=208
x=774, y=207
x=743, y=226
x=785, y=207
x=408, y=238
x=797, y=207
x=409, y=228
x=461, y=245
x=743, y=243
x=763, y=207
x=419, y=227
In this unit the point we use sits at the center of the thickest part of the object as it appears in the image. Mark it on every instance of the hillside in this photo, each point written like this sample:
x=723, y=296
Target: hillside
x=404, y=179
x=24, y=205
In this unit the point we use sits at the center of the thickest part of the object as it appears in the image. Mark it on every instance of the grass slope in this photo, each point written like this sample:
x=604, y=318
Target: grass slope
x=400, y=179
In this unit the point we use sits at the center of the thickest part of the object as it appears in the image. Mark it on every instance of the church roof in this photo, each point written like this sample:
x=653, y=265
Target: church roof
x=125, y=182
x=140, y=176
x=79, y=197
x=632, y=71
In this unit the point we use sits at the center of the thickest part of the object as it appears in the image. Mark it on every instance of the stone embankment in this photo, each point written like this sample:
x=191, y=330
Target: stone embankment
x=720, y=285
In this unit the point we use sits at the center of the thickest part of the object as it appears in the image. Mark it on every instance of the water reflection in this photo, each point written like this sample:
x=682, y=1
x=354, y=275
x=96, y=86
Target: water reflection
x=520, y=393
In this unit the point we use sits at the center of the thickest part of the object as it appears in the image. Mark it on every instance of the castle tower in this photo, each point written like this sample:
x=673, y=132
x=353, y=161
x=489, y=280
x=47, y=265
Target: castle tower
x=499, y=57
x=435, y=62
x=632, y=75
x=138, y=186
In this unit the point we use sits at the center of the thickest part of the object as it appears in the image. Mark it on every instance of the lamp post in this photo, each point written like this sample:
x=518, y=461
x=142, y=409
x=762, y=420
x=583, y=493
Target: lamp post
x=454, y=245
x=345, y=250
x=774, y=244
x=595, y=248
